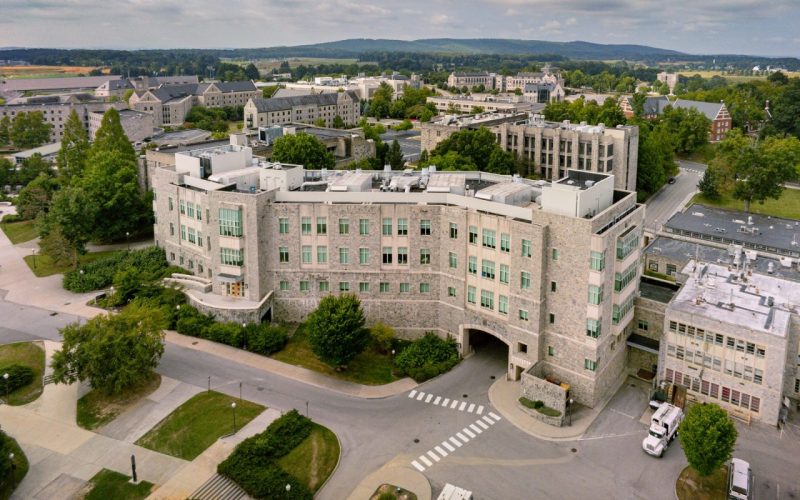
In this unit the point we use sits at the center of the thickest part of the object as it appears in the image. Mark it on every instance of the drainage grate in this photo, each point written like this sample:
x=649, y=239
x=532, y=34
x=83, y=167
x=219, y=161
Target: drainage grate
x=53, y=313
x=492, y=377
x=574, y=450
x=464, y=396
x=416, y=440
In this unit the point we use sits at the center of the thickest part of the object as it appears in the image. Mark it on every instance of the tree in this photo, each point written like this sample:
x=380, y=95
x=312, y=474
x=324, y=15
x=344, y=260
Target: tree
x=501, y=162
x=707, y=435
x=689, y=128
x=5, y=131
x=709, y=184
x=452, y=161
x=319, y=122
x=73, y=216
x=394, y=156
x=113, y=352
x=336, y=329
x=252, y=72
x=127, y=95
x=637, y=103
x=383, y=336
x=36, y=196
x=302, y=149
x=7, y=172
x=786, y=110
x=477, y=145
x=32, y=168
x=381, y=101
x=110, y=137
x=338, y=122
x=29, y=130
x=656, y=159
x=211, y=119
x=56, y=246
x=71, y=159
x=778, y=78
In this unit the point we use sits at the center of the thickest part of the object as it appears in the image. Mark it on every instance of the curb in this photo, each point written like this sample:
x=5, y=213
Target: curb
x=336, y=467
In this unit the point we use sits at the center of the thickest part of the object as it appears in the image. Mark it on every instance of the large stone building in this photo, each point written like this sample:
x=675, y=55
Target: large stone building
x=470, y=79
x=717, y=112
x=137, y=125
x=551, y=148
x=260, y=112
x=549, y=268
x=468, y=104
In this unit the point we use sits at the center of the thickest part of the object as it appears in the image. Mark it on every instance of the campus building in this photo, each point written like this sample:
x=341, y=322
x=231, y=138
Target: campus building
x=260, y=112
x=549, y=268
x=717, y=112
x=469, y=104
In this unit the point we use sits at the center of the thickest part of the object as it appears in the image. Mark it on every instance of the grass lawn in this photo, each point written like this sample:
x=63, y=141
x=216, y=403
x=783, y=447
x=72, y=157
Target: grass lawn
x=197, y=423
x=28, y=354
x=21, y=462
x=20, y=232
x=690, y=486
x=44, y=265
x=96, y=409
x=314, y=459
x=110, y=484
x=370, y=367
x=788, y=205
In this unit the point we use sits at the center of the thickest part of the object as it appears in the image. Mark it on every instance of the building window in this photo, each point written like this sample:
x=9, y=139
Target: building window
x=523, y=348
x=597, y=261
x=488, y=238
x=472, y=265
x=424, y=256
x=363, y=287
x=487, y=269
x=190, y=209
x=671, y=269
x=231, y=256
x=504, y=273
x=505, y=242
x=171, y=229
x=344, y=255
x=552, y=286
x=322, y=255
x=182, y=207
x=199, y=212
x=622, y=310
x=642, y=325
x=402, y=227
x=171, y=206
x=230, y=222
x=363, y=256
x=324, y=286
x=387, y=255
x=283, y=225
x=284, y=286
x=626, y=277
x=473, y=235
x=526, y=248
x=451, y=291
x=305, y=254
x=627, y=243
x=283, y=254
x=453, y=260
x=523, y=315
x=322, y=225
x=487, y=299
x=525, y=280
x=502, y=304
x=305, y=225
x=425, y=227
x=590, y=364
x=344, y=226
x=386, y=227
x=593, y=328
x=402, y=256
x=471, y=294
x=424, y=287
x=363, y=227
x=384, y=287
x=595, y=294
x=551, y=351
x=453, y=230
x=304, y=286
x=344, y=286
x=552, y=318
x=405, y=287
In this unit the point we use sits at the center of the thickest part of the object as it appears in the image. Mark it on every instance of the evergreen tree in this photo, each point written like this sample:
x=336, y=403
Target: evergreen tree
x=708, y=185
x=394, y=156
x=29, y=130
x=252, y=72
x=71, y=159
x=110, y=137
x=5, y=131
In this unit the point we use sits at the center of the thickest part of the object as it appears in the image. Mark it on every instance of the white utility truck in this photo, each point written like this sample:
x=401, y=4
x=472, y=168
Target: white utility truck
x=663, y=429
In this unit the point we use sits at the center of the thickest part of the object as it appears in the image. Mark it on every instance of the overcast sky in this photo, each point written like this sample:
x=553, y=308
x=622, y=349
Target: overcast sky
x=759, y=27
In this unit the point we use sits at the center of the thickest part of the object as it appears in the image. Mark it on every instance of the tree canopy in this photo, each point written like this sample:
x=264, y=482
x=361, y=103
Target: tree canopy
x=71, y=159
x=302, y=149
x=336, y=329
x=29, y=130
x=707, y=436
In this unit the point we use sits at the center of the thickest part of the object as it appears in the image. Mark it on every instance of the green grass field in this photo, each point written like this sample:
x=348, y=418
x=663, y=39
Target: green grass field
x=196, y=424
x=20, y=232
x=43, y=265
x=108, y=484
x=690, y=486
x=22, y=465
x=787, y=206
x=369, y=368
x=314, y=459
x=27, y=354
x=96, y=409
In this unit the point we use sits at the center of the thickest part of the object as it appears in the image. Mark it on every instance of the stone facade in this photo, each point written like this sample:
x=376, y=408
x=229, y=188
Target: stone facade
x=136, y=125
x=56, y=113
x=303, y=109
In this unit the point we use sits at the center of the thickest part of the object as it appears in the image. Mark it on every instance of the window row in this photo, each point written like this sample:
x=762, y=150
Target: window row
x=700, y=358
x=189, y=234
x=363, y=286
x=626, y=277
x=364, y=228
x=627, y=243
x=718, y=339
x=710, y=389
x=622, y=310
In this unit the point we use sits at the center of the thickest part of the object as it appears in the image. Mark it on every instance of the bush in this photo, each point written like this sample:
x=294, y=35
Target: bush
x=253, y=463
x=150, y=264
x=265, y=339
x=539, y=406
x=224, y=333
x=383, y=336
x=427, y=357
x=192, y=322
x=9, y=218
x=18, y=376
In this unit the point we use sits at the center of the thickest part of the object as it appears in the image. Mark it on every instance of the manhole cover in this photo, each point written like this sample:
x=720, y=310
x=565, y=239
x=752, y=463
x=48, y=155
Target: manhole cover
x=194, y=343
x=464, y=396
x=53, y=313
x=259, y=388
x=492, y=377
x=416, y=440
x=633, y=385
x=574, y=450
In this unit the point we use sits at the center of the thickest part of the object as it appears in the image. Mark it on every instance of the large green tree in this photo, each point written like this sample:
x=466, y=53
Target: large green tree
x=35, y=198
x=73, y=216
x=707, y=435
x=477, y=145
x=71, y=159
x=394, y=156
x=302, y=149
x=251, y=72
x=381, y=102
x=336, y=329
x=689, y=128
x=113, y=352
x=32, y=168
x=5, y=130
x=110, y=137
x=29, y=130
x=656, y=159
x=786, y=110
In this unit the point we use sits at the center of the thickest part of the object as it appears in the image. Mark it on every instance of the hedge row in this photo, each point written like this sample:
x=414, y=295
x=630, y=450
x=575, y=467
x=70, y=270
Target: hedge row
x=18, y=376
x=150, y=263
x=253, y=465
x=427, y=357
x=259, y=338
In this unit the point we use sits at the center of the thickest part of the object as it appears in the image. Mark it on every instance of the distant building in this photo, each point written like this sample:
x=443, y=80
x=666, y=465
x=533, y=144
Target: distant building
x=521, y=80
x=11, y=85
x=671, y=79
x=721, y=121
x=543, y=92
x=259, y=112
x=473, y=79
x=489, y=104
x=137, y=125
x=113, y=88
x=48, y=152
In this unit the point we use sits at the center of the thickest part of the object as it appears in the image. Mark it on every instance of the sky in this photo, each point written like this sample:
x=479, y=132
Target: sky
x=754, y=27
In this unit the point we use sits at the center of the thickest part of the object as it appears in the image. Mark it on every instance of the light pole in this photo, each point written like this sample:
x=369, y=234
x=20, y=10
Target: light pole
x=288, y=489
x=33, y=252
x=244, y=337
x=128, y=240
x=570, y=410
x=240, y=391
x=233, y=407
x=13, y=470
x=5, y=376
x=306, y=409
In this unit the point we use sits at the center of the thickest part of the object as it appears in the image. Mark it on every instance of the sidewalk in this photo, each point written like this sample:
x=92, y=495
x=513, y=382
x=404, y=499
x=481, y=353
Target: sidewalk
x=395, y=472
x=504, y=396
x=297, y=373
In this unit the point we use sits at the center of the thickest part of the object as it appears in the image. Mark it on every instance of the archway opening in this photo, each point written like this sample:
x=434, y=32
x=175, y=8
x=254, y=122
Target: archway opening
x=488, y=349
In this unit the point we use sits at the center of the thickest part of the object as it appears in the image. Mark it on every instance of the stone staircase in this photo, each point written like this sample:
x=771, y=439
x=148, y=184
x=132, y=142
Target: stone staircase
x=219, y=488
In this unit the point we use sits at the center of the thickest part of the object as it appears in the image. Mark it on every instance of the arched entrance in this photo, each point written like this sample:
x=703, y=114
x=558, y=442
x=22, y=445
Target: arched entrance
x=490, y=348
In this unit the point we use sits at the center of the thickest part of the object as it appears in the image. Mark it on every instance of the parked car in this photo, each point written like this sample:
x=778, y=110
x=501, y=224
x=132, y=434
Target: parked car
x=740, y=480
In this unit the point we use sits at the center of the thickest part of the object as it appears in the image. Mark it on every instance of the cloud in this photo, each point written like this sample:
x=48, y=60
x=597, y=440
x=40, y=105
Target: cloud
x=551, y=27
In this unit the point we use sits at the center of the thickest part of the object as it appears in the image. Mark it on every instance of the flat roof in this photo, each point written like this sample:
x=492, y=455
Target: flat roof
x=653, y=290
x=46, y=150
x=711, y=289
x=440, y=180
x=578, y=178
x=759, y=232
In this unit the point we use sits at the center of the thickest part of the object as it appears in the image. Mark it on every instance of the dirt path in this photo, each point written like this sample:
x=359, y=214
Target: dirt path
x=314, y=479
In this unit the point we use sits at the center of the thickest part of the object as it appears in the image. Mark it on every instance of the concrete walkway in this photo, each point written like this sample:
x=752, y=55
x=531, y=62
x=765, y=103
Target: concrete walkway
x=395, y=472
x=298, y=373
x=504, y=395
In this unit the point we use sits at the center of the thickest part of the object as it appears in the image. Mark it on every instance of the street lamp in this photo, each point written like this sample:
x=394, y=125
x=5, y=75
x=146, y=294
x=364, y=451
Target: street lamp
x=5, y=376
x=233, y=407
x=288, y=489
x=13, y=470
x=33, y=252
x=127, y=239
x=570, y=410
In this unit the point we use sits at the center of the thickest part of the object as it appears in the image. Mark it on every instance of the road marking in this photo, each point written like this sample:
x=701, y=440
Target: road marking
x=475, y=428
x=412, y=393
x=487, y=420
x=440, y=451
x=436, y=401
x=428, y=399
x=471, y=407
x=480, y=410
x=421, y=395
x=433, y=455
x=455, y=403
x=480, y=422
x=456, y=441
x=448, y=446
x=468, y=432
x=463, y=437
x=425, y=460
x=446, y=402
x=417, y=466
x=463, y=405
x=494, y=415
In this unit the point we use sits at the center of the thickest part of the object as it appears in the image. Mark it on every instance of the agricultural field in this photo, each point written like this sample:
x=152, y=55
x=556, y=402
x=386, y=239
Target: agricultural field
x=733, y=78
x=45, y=71
x=266, y=65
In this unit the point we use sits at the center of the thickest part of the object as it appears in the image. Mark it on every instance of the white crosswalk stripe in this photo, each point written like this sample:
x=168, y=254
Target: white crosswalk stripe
x=428, y=399
x=475, y=428
x=456, y=441
x=463, y=437
x=448, y=446
x=494, y=415
x=455, y=403
x=488, y=420
x=468, y=432
x=471, y=407
x=412, y=393
x=446, y=402
x=440, y=451
x=436, y=401
x=480, y=410
x=463, y=405
x=421, y=395
x=417, y=466
x=452, y=443
x=480, y=422
x=425, y=460
x=433, y=455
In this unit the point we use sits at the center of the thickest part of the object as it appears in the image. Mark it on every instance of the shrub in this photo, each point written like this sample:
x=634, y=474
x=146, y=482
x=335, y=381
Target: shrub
x=18, y=376
x=192, y=322
x=427, y=357
x=383, y=336
x=9, y=218
x=538, y=404
x=150, y=264
x=225, y=333
x=265, y=339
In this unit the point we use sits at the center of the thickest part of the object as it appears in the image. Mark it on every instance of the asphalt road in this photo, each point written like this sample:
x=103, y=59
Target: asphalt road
x=671, y=197
x=501, y=462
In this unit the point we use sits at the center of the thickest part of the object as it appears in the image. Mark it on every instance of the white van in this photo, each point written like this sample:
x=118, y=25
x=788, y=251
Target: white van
x=740, y=480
